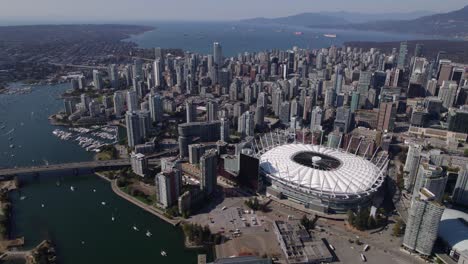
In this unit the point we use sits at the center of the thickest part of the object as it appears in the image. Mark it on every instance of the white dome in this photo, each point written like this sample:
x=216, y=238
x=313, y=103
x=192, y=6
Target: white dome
x=340, y=173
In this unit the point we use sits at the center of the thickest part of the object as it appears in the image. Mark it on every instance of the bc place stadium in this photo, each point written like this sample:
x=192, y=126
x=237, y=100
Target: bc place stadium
x=321, y=178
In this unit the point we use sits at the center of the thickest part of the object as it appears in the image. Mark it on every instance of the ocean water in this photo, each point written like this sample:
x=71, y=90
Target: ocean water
x=237, y=38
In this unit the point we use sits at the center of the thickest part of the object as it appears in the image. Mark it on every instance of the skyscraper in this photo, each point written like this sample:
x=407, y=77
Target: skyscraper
x=225, y=130
x=139, y=163
x=355, y=97
x=132, y=101
x=134, y=135
x=85, y=100
x=259, y=116
x=191, y=111
x=432, y=178
x=167, y=185
x=145, y=122
x=363, y=86
x=460, y=193
x=119, y=103
x=156, y=107
x=208, y=169
x=448, y=93
x=114, y=76
x=97, y=80
x=158, y=72
x=316, y=118
x=413, y=159
x=386, y=117
x=342, y=119
x=246, y=124
x=402, y=55
x=217, y=54
x=211, y=111
x=284, y=112
x=423, y=222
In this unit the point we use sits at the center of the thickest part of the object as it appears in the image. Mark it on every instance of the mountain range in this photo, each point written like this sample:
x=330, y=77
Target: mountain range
x=452, y=24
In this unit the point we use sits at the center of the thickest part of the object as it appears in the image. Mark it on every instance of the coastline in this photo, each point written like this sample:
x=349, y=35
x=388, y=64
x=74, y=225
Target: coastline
x=150, y=209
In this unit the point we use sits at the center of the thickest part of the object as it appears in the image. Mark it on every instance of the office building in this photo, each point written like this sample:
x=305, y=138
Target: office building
x=448, y=93
x=284, y=112
x=387, y=115
x=209, y=171
x=457, y=120
x=343, y=119
x=402, y=55
x=204, y=131
x=316, y=118
x=217, y=54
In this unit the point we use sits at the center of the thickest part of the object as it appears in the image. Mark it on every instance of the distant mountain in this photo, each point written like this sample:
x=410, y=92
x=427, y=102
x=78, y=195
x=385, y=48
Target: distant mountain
x=451, y=24
x=304, y=19
x=364, y=17
x=333, y=18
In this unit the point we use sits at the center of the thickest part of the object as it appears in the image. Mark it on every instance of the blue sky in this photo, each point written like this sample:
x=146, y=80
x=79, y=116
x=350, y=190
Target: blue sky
x=127, y=10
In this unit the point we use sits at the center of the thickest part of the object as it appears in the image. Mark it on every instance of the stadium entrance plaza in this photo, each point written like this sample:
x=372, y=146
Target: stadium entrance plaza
x=256, y=235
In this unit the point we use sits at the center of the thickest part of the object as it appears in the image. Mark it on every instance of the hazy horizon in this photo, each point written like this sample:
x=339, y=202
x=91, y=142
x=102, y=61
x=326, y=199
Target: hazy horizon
x=203, y=10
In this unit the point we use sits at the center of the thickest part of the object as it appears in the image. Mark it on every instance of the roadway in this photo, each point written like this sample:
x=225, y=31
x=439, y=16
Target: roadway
x=65, y=166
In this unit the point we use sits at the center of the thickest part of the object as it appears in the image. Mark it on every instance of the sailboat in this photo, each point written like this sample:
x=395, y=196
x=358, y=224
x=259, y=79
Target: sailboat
x=163, y=253
x=135, y=228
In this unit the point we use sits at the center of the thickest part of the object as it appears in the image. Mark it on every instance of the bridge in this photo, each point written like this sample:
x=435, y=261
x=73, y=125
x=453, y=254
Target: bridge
x=65, y=166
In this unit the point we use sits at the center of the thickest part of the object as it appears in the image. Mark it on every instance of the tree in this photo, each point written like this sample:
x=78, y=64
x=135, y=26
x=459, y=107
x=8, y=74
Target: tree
x=351, y=217
x=371, y=223
x=399, y=228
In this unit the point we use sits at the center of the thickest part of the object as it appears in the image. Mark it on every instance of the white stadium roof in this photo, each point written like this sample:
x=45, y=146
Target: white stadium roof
x=352, y=175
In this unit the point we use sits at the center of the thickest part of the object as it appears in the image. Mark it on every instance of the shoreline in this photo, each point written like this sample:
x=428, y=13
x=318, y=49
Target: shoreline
x=150, y=209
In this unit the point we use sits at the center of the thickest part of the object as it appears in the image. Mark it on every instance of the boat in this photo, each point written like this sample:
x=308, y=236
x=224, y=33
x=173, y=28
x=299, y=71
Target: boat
x=298, y=33
x=94, y=190
x=332, y=247
x=113, y=219
x=22, y=198
x=12, y=146
x=135, y=228
x=329, y=35
x=148, y=233
x=72, y=188
x=103, y=203
x=364, y=259
x=163, y=253
x=42, y=205
x=366, y=247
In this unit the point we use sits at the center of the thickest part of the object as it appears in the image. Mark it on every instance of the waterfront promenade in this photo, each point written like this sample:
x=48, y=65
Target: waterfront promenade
x=149, y=208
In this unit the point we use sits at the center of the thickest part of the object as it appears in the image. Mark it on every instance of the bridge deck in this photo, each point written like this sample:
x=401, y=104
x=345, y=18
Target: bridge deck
x=64, y=166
